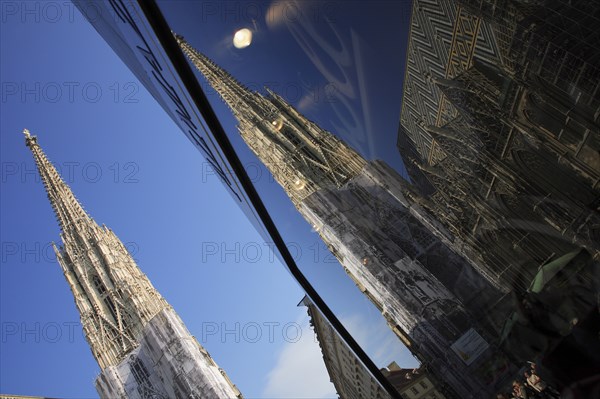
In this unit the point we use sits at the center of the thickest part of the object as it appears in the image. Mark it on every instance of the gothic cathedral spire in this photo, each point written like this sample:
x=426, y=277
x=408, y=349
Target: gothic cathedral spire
x=115, y=299
x=130, y=327
x=302, y=157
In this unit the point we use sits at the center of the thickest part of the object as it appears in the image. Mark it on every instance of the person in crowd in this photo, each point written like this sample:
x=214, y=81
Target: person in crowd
x=535, y=382
x=519, y=391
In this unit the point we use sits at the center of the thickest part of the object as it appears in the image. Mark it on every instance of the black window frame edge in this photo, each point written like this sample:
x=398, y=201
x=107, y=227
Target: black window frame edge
x=163, y=32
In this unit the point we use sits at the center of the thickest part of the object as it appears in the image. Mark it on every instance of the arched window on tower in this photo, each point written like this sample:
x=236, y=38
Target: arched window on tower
x=99, y=285
x=111, y=308
x=110, y=305
x=140, y=373
x=294, y=139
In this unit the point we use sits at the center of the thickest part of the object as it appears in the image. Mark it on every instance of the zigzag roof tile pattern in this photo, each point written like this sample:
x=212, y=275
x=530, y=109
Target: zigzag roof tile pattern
x=443, y=40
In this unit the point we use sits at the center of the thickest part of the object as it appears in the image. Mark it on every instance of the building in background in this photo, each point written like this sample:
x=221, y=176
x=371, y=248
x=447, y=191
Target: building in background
x=351, y=378
x=141, y=345
x=379, y=230
x=412, y=383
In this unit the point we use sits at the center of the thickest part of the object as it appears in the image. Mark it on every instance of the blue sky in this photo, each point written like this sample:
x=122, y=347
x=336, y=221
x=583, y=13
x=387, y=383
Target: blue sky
x=134, y=171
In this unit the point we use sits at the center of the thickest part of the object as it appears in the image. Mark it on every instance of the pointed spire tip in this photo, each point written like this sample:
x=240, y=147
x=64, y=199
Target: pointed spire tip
x=26, y=133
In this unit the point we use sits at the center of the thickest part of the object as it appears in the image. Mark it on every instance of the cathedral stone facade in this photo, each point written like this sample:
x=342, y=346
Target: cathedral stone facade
x=500, y=132
x=139, y=342
x=380, y=230
x=499, y=129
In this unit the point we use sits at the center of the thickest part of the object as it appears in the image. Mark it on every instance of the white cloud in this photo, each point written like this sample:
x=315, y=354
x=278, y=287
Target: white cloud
x=299, y=371
x=377, y=340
